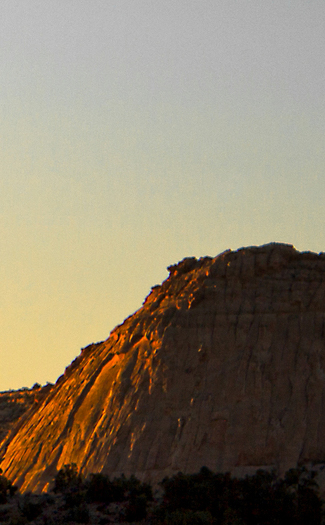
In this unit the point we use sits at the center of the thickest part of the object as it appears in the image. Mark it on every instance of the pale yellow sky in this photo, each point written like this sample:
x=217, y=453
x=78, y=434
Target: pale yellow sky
x=134, y=134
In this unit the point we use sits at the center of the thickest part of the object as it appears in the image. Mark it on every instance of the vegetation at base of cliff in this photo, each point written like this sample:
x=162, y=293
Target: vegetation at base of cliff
x=184, y=499
x=259, y=499
x=7, y=489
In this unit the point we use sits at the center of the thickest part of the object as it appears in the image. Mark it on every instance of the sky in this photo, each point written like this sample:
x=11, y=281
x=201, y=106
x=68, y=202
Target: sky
x=134, y=133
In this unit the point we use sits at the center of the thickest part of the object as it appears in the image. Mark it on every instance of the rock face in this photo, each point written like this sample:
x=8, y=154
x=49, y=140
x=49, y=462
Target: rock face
x=15, y=403
x=223, y=366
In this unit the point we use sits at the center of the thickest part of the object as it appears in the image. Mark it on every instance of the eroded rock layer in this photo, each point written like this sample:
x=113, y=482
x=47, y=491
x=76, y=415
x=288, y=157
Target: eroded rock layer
x=15, y=403
x=223, y=366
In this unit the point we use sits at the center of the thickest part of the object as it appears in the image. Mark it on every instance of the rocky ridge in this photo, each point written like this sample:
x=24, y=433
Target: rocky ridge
x=223, y=366
x=14, y=404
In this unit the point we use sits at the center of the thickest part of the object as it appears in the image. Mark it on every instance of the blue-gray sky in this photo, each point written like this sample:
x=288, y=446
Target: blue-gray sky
x=135, y=133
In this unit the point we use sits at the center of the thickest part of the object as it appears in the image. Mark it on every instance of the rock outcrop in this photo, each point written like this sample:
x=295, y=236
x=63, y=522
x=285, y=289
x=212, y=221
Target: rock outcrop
x=15, y=403
x=223, y=366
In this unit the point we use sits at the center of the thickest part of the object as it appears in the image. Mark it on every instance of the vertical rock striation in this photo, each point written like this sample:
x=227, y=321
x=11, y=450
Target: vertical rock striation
x=223, y=366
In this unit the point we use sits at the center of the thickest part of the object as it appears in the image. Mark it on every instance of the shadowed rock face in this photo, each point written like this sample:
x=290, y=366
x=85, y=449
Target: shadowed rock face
x=223, y=366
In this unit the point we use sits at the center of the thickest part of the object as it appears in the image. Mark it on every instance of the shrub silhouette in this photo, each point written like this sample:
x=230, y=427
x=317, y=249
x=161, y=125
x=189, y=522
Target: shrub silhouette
x=99, y=489
x=203, y=498
x=306, y=504
x=261, y=499
x=136, y=509
x=133, y=487
x=69, y=482
x=138, y=495
x=67, y=478
x=7, y=489
x=204, y=491
x=31, y=507
x=119, y=487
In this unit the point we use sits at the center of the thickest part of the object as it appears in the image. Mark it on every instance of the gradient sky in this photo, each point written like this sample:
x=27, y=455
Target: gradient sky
x=134, y=133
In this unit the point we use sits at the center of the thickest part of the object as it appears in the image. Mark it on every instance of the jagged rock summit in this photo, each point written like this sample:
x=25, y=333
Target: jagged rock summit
x=223, y=366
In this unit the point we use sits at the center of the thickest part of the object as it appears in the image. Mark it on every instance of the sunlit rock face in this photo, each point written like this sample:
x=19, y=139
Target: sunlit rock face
x=14, y=404
x=223, y=366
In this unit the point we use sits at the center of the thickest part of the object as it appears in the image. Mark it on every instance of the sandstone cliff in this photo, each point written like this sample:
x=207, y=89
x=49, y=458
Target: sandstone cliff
x=14, y=404
x=223, y=366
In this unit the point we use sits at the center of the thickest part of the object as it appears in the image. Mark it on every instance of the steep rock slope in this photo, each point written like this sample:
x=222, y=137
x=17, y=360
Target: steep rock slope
x=223, y=366
x=15, y=403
